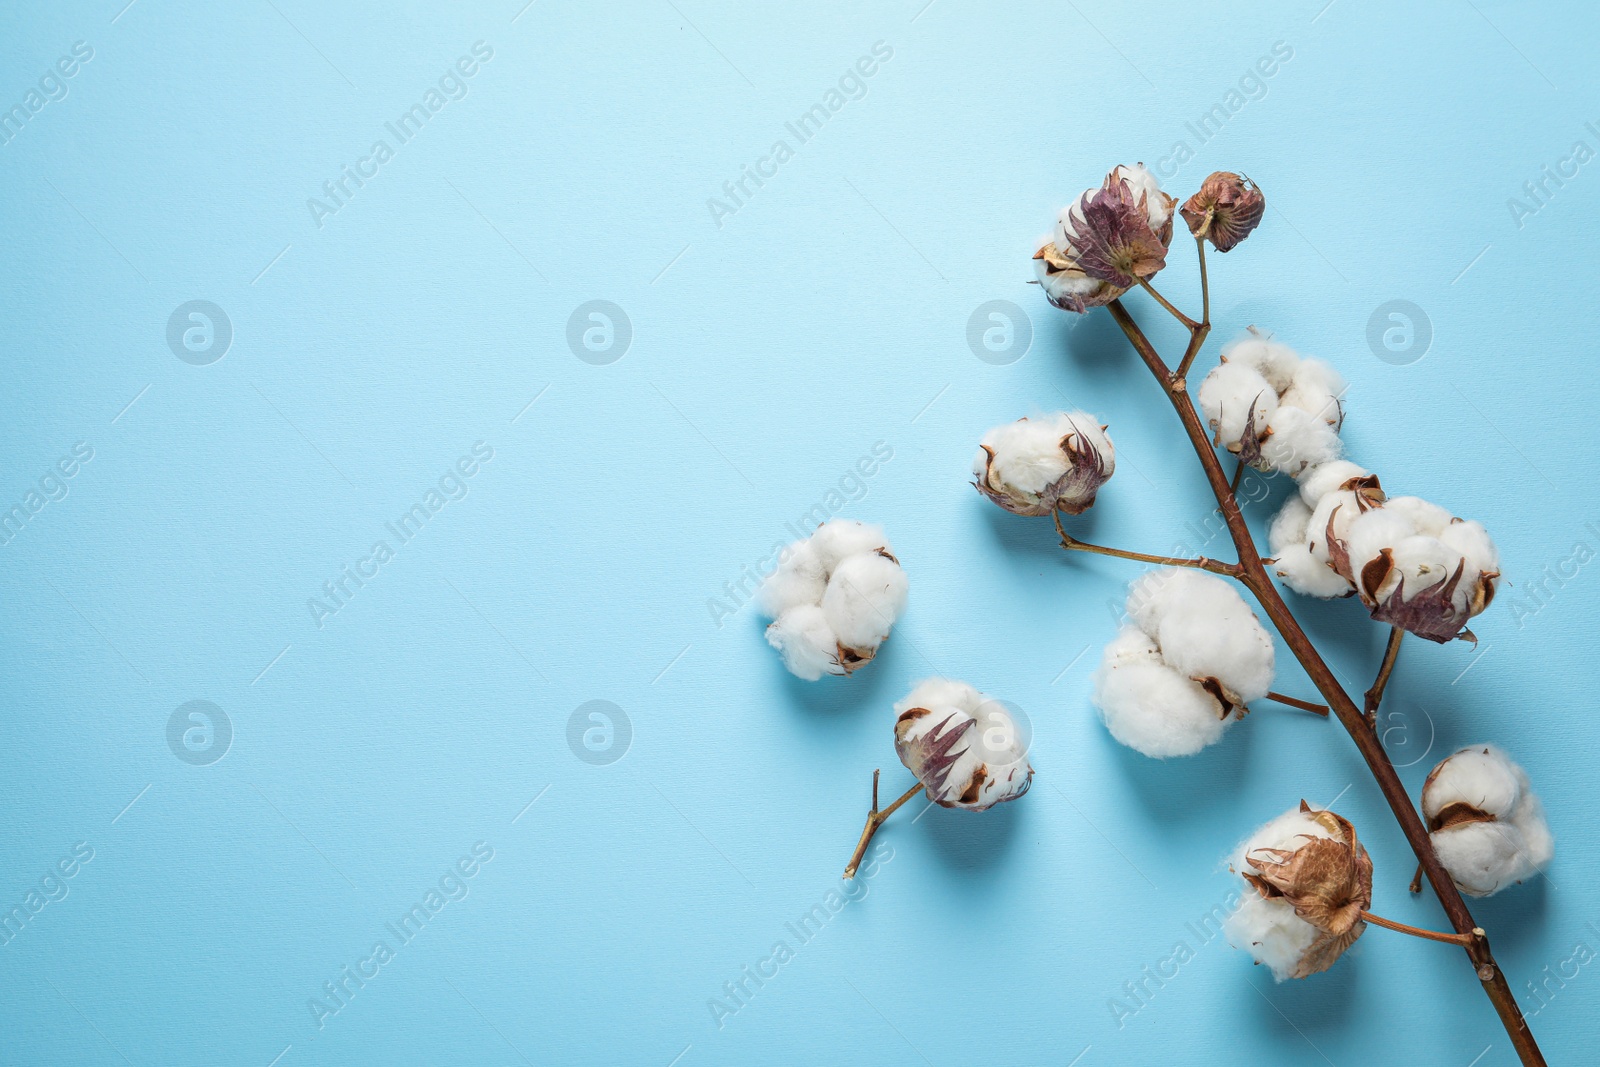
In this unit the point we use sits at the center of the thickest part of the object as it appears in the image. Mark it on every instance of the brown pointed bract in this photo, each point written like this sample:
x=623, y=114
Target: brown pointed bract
x=1225, y=210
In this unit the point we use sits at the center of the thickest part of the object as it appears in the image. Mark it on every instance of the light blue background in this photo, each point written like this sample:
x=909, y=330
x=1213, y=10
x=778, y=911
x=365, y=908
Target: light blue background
x=768, y=355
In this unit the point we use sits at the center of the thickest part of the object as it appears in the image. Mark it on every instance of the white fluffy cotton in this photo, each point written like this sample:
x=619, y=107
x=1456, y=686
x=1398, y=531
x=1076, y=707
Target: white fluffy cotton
x=1194, y=643
x=1037, y=465
x=1337, y=491
x=1276, y=409
x=1488, y=827
x=1055, y=265
x=1268, y=928
x=966, y=749
x=833, y=599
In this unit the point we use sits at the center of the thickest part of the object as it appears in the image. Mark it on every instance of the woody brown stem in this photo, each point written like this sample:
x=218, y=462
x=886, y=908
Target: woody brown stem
x=1201, y=563
x=1238, y=475
x=1164, y=302
x=1253, y=574
x=1197, y=335
x=1416, y=880
x=875, y=819
x=1375, y=694
x=1417, y=931
x=1303, y=705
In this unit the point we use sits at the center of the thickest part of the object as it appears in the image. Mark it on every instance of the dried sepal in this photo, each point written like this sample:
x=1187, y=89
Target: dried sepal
x=1431, y=613
x=1225, y=210
x=1113, y=237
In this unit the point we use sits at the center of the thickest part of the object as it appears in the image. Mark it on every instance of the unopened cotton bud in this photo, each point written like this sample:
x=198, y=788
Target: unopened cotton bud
x=1195, y=656
x=1036, y=466
x=1106, y=241
x=1488, y=827
x=833, y=599
x=1225, y=210
x=965, y=748
x=1309, y=881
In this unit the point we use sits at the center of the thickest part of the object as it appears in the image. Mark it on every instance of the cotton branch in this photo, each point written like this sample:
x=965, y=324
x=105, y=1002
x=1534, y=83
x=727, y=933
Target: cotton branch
x=875, y=819
x=1375, y=695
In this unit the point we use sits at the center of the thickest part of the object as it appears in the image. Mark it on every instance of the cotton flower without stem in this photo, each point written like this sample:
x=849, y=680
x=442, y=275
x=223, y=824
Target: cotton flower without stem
x=1036, y=466
x=1487, y=826
x=1195, y=655
x=833, y=599
x=1272, y=407
x=1309, y=880
x=965, y=748
x=1225, y=210
x=1106, y=241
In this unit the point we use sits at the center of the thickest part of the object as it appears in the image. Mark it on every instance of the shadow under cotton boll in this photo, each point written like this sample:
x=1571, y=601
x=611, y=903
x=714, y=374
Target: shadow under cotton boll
x=1192, y=789
x=972, y=843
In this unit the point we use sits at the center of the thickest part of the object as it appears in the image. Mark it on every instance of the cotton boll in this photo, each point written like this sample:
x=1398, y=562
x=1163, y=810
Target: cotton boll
x=1318, y=481
x=1153, y=709
x=838, y=538
x=1472, y=542
x=964, y=747
x=809, y=647
x=1298, y=439
x=799, y=579
x=864, y=597
x=1309, y=884
x=1234, y=397
x=833, y=599
x=1316, y=387
x=1487, y=825
x=1036, y=466
x=1273, y=361
x=1205, y=631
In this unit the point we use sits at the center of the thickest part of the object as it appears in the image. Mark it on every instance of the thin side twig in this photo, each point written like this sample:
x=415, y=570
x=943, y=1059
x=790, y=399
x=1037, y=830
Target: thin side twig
x=1375, y=695
x=1199, y=563
x=875, y=819
x=1303, y=705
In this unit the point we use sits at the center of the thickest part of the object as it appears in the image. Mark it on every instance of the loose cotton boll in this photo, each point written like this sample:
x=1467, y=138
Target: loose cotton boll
x=1274, y=361
x=1037, y=466
x=1149, y=706
x=965, y=748
x=833, y=599
x=1487, y=825
x=1309, y=882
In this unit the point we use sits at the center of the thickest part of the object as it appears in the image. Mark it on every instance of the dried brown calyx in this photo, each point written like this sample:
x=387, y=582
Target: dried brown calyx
x=1326, y=880
x=1113, y=238
x=1225, y=210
